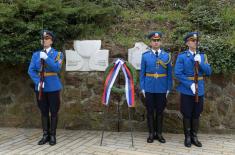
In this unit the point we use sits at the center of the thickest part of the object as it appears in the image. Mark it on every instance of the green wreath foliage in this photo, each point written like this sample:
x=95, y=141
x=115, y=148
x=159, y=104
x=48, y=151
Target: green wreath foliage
x=133, y=73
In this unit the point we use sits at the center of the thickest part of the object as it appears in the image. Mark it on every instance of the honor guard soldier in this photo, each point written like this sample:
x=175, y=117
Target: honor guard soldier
x=47, y=88
x=185, y=72
x=155, y=83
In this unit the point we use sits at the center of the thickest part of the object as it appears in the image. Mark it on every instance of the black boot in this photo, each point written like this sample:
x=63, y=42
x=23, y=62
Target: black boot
x=187, y=125
x=150, y=138
x=158, y=134
x=151, y=129
x=54, y=121
x=45, y=126
x=194, y=130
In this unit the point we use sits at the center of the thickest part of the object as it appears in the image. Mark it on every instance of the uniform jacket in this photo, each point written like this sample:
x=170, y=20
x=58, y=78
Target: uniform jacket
x=184, y=68
x=52, y=64
x=154, y=64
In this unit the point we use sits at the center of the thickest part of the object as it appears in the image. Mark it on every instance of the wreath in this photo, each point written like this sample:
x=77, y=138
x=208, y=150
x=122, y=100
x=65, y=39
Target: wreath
x=132, y=71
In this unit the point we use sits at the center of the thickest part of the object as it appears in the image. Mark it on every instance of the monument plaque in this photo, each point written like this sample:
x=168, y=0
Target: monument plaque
x=135, y=53
x=87, y=56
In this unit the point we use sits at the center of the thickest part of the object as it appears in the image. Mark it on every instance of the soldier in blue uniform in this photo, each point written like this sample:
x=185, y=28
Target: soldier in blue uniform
x=184, y=72
x=50, y=98
x=155, y=83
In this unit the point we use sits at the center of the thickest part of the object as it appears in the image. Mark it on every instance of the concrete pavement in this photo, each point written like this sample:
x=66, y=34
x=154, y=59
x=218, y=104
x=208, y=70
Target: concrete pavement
x=18, y=141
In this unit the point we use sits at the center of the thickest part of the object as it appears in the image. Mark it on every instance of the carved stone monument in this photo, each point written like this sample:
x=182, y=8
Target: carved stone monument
x=87, y=56
x=135, y=53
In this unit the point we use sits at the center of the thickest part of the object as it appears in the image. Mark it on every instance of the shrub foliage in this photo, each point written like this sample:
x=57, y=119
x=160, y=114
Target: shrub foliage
x=22, y=20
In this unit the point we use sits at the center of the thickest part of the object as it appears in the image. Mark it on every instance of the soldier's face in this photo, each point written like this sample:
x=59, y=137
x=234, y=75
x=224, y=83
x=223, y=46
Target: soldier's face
x=155, y=43
x=192, y=43
x=47, y=41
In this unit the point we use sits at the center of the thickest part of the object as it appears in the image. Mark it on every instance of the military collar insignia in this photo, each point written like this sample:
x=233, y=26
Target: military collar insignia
x=153, y=51
x=188, y=54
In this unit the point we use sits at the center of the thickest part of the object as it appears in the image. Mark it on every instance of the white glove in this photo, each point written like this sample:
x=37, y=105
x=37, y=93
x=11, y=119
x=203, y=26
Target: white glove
x=167, y=93
x=193, y=88
x=39, y=85
x=198, y=58
x=143, y=92
x=43, y=55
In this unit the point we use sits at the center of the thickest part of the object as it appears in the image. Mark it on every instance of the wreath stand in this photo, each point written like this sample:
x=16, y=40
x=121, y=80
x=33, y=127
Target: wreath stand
x=119, y=91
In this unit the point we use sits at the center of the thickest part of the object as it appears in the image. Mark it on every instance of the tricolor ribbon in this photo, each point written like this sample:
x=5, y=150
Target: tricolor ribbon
x=129, y=83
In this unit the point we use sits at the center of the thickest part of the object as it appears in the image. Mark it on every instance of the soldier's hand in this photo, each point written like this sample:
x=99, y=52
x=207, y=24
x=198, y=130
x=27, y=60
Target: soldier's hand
x=143, y=93
x=40, y=84
x=142, y=97
x=167, y=93
x=193, y=88
x=43, y=55
x=198, y=58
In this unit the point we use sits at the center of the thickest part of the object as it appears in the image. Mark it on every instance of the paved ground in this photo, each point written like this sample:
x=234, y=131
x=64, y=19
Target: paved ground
x=77, y=142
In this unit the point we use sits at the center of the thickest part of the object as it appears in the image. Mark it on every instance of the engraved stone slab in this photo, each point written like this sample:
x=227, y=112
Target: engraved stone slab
x=86, y=48
x=74, y=61
x=99, y=61
x=135, y=54
x=87, y=56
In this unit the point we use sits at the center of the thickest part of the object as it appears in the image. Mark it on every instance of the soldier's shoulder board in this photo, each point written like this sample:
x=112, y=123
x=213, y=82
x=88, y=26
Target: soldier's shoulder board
x=168, y=53
x=147, y=51
x=37, y=51
x=182, y=52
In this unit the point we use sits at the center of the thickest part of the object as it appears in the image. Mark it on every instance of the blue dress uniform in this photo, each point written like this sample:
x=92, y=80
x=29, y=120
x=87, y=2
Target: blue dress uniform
x=184, y=72
x=155, y=81
x=50, y=99
x=53, y=66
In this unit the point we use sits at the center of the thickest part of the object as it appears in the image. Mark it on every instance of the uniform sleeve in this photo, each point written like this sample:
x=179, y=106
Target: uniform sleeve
x=142, y=73
x=55, y=65
x=169, y=75
x=205, y=66
x=33, y=73
x=179, y=72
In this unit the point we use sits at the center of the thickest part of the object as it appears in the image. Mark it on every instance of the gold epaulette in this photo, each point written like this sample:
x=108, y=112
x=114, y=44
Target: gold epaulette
x=58, y=56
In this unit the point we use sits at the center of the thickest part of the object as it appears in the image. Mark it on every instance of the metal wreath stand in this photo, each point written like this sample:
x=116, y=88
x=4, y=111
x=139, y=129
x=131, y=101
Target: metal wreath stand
x=119, y=91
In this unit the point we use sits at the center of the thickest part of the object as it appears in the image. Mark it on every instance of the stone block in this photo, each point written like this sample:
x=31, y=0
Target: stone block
x=87, y=56
x=135, y=54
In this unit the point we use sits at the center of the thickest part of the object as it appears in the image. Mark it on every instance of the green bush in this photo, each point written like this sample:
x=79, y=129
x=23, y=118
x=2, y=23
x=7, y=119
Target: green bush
x=120, y=23
x=215, y=21
x=211, y=16
x=220, y=53
x=22, y=20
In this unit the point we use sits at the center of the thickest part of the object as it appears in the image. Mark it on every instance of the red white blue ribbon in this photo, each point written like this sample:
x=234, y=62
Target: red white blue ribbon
x=129, y=83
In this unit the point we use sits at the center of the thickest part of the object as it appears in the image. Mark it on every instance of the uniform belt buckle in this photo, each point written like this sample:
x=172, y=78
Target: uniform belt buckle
x=156, y=75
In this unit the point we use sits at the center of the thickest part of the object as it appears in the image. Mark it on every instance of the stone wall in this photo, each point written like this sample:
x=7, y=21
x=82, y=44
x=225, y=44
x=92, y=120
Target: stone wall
x=81, y=106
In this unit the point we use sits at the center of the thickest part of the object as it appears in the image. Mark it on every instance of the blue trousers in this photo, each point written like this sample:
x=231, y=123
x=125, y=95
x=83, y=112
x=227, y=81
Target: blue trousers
x=189, y=108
